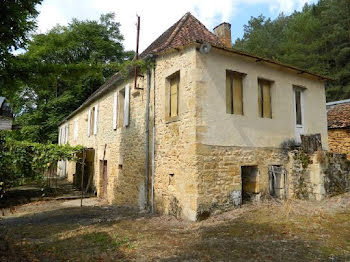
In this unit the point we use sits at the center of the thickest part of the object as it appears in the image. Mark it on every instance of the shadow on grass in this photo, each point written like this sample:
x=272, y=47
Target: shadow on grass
x=245, y=241
x=55, y=235
x=94, y=246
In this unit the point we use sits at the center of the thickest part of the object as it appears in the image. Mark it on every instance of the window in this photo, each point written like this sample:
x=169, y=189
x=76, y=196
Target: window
x=234, y=93
x=299, y=120
x=173, y=95
x=92, y=121
x=120, y=110
x=121, y=107
x=264, y=98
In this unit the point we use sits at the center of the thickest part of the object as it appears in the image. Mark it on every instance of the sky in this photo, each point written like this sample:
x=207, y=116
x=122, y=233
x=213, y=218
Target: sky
x=159, y=15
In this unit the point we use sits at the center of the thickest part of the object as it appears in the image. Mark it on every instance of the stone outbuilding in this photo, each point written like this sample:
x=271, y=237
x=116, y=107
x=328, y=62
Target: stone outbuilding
x=6, y=114
x=338, y=117
x=205, y=128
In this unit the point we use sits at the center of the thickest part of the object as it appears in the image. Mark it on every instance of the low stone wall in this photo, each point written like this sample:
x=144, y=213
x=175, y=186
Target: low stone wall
x=318, y=175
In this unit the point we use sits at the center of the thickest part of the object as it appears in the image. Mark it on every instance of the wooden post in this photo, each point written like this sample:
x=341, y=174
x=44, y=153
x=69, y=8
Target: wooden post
x=82, y=177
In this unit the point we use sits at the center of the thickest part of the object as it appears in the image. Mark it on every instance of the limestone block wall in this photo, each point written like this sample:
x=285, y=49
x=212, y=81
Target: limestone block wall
x=318, y=175
x=220, y=180
x=124, y=147
x=175, y=160
x=339, y=141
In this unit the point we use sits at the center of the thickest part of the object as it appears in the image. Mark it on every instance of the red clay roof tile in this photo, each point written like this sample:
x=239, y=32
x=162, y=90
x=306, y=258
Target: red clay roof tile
x=185, y=31
x=338, y=116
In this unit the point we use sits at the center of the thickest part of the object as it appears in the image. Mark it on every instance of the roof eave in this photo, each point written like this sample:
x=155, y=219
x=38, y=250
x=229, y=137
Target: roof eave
x=266, y=60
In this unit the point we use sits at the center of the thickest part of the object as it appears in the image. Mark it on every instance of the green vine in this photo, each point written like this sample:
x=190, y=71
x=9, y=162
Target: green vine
x=304, y=158
x=21, y=160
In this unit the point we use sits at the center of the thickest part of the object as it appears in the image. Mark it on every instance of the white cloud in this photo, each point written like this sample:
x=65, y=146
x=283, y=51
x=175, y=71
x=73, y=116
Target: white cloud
x=156, y=15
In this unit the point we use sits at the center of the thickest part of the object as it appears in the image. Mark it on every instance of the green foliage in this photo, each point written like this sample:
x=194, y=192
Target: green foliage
x=21, y=160
x=316, y=39
x=60, y=70
x=303, y=158
x=17, y=18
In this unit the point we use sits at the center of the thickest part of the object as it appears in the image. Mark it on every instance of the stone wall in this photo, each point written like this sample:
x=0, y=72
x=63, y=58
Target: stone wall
x=318, y=175
x=176, y=173
x=125, y=147
x=339, y=141
x=220, y=181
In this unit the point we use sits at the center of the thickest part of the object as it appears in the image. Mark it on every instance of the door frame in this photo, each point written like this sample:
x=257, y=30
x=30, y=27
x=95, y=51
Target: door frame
x=299, y=129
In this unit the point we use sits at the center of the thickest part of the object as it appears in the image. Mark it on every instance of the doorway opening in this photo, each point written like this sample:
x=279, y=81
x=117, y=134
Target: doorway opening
x=250, y=185
x=89, y=168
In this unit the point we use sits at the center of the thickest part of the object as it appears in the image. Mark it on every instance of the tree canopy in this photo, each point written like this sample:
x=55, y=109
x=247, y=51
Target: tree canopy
x=316, y=39
x=17, y=19
x=60, y=69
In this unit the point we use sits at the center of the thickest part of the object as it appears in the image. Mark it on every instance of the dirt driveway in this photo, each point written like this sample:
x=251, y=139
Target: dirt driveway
x=270, y=231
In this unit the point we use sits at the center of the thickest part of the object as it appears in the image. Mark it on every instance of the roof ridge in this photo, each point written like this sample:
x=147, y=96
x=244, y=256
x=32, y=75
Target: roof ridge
x=339, y=102
x=181, y=22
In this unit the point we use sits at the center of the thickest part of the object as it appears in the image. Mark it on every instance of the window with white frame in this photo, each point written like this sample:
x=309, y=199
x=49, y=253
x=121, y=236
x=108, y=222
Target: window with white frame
x=92, y=121
x=121, y=107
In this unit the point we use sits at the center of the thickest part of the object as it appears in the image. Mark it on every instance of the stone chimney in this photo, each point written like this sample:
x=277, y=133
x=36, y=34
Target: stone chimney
x=223, y=31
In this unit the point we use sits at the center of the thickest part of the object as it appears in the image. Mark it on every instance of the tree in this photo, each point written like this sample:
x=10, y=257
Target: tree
x=316, y=39
x=59, y=71
x=17, y=19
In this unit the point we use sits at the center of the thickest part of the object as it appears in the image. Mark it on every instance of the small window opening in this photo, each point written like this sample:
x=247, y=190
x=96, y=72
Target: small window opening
x=171, y=179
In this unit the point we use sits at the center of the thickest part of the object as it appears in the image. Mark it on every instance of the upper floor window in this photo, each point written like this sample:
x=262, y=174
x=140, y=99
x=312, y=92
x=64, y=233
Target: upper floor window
x=121, y=107
x=264, y=98
x=234, y=93
x=172, y=94
x=92, y=120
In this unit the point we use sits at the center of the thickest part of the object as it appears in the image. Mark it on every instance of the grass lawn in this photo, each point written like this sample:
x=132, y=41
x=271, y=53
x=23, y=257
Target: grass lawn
x=270, y=231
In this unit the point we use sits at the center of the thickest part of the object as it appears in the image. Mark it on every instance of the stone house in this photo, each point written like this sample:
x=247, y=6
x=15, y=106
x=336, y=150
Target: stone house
x=6, y=115
x=202, y=130
x=338, y=117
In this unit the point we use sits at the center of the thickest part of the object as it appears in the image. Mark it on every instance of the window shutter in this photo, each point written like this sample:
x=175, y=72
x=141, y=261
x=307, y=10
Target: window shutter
x=115, y=109
x=66, y=134
x=267, y=99
x=89, y=124
x=126, y=105
x=59, y=135
x=95, y=120
x=174, y=97
x=260, y=89
x=237, y=95
x=228, y=94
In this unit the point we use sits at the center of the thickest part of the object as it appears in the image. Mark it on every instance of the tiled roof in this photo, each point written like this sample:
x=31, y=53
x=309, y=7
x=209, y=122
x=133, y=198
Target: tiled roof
x=338, y=115
x=185, y=31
